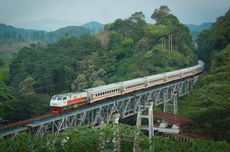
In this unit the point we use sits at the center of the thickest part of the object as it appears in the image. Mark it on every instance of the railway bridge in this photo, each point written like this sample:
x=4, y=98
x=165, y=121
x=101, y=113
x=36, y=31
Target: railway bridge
x=104, y=111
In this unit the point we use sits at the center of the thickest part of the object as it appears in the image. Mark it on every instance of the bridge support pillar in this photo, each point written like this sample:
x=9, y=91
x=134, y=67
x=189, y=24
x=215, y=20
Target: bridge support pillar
x=146, y=116
x=173, y=106
x=145, y=123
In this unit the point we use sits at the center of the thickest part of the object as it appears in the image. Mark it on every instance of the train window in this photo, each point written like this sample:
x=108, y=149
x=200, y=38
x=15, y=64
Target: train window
x=54, y=98
x=64, y=98
x=59, y=98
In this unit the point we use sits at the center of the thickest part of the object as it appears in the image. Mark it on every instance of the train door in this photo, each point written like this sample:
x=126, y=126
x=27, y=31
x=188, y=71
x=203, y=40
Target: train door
x=122, y=88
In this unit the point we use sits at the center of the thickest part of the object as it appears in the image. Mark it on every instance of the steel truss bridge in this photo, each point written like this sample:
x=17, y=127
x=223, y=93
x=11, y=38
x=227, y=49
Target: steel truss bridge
x=104, y=111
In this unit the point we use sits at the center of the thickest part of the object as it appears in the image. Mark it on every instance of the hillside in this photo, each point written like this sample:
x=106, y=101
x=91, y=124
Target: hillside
x=94, y=26
x=69, y=30
x=13, y=39
x=209, y=103
x=196, y=29
x=200, y=27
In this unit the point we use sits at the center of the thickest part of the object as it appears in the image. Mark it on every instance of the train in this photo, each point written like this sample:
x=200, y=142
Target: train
x=61, y=102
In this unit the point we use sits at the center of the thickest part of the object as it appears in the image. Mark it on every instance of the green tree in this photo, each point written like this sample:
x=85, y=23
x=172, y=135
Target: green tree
x=160, y=13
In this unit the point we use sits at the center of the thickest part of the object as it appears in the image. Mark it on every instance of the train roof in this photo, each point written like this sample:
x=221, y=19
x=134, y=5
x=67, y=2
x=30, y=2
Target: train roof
x=66, y=94
x=104, y=87
x=115, y=85
x=134, y=81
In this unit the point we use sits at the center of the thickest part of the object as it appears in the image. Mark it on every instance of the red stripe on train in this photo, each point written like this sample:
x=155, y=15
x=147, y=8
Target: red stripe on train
x=76, y=100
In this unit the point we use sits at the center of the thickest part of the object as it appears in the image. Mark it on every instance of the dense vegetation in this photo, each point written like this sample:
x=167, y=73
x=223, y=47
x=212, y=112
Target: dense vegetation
x=92, y=139
x=209, y=103
x=215, y=39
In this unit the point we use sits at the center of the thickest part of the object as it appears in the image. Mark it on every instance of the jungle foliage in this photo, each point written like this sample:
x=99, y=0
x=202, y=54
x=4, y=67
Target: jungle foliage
x=209, y=103
x=214, y=39
x=92, y=139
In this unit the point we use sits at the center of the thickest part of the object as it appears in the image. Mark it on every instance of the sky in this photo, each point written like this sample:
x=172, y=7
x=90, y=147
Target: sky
x=16, y=12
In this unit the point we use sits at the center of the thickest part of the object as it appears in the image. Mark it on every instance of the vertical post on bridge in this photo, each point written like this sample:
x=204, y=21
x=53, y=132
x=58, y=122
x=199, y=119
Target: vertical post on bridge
x=147, y=114
x=175, y=104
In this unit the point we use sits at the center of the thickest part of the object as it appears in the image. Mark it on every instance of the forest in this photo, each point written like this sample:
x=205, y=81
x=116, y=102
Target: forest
x=127, y=48
x=209, y=103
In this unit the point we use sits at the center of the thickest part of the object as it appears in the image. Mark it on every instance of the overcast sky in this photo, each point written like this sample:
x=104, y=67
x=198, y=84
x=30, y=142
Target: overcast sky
x=81, y=11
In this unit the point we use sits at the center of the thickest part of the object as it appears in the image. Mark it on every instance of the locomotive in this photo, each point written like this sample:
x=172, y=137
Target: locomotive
x=61, y=102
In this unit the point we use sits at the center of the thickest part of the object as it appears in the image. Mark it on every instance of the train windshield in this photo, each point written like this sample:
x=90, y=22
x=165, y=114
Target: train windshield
x=54, y=98
x=59, y=98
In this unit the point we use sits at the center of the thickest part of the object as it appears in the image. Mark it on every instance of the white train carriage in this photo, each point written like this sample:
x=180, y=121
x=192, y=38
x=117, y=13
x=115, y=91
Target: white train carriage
x=187, y=72
x=102, y=92
x=135, y=84
x=156, y=79
x=174, y=75
x=199, y=68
